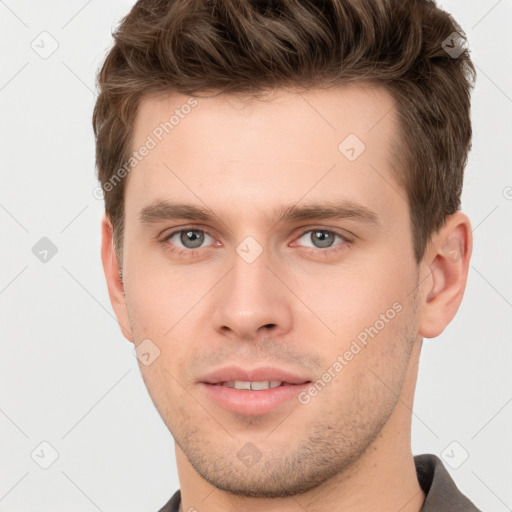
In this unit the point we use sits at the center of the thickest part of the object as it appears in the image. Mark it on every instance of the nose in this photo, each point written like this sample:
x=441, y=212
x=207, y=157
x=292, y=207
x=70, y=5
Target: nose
x=251, y=302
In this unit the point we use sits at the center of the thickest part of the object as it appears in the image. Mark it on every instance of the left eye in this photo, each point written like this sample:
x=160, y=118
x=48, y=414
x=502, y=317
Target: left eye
x=320, y=238
x=189, y=238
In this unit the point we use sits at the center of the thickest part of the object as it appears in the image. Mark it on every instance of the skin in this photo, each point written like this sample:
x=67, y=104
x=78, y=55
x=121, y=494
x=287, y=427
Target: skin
x=297, y=306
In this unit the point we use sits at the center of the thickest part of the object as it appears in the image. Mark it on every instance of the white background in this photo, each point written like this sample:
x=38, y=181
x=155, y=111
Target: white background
x=68, y=377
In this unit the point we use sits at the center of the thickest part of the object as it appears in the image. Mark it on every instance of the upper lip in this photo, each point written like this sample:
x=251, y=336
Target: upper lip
x=261, y=374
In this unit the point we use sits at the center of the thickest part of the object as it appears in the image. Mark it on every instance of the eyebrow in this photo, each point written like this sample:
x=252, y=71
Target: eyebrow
x=162, y=210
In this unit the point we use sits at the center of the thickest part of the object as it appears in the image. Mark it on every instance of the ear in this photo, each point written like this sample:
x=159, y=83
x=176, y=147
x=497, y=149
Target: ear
x=446, y=263
x=114, y=283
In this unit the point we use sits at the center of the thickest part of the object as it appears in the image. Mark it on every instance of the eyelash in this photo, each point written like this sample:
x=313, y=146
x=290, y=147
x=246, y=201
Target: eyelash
x=191, y=253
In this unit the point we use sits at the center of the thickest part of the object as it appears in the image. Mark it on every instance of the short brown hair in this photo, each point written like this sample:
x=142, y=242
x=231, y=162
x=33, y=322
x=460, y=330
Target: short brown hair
x=250, y=46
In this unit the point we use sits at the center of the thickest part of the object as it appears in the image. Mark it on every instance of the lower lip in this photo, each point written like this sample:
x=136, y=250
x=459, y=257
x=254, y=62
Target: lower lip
x=252, y=403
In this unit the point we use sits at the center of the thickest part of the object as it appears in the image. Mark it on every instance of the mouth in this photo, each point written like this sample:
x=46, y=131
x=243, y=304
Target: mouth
x=261, y=377
x=252, y=392
x=255, y=385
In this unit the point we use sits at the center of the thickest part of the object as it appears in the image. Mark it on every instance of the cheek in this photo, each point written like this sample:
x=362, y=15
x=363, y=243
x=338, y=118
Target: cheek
x=364, y=372
x=372, y=321
x=162, y=297
x=163, y=383
x=349, y=298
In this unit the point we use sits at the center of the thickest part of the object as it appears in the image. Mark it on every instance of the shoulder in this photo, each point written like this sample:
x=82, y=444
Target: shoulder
x=173, y=504
x=439, y=487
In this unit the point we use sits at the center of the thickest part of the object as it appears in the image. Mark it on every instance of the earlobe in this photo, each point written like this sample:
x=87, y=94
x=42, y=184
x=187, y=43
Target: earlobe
x=113, y=276
x=447, y=263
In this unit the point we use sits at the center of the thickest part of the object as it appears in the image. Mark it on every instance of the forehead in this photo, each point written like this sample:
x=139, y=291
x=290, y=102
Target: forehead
x=322, y=116
x=225, y=149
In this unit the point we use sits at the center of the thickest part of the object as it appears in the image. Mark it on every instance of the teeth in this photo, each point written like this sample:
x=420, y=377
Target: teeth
x=255, y=386
x=265, y=385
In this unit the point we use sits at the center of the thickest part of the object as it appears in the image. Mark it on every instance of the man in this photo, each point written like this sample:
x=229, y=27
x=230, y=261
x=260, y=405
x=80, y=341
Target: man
x=282, y=188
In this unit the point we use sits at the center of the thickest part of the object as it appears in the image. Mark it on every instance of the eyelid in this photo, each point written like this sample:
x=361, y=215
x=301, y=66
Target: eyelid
x=168, y=236
x=179, y=229
x=346, y=239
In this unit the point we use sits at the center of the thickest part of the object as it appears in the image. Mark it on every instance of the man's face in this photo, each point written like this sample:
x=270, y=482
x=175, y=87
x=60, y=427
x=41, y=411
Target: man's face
x=253, y=288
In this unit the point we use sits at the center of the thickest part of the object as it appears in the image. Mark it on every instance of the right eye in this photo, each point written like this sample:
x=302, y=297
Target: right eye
x=190, y=238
